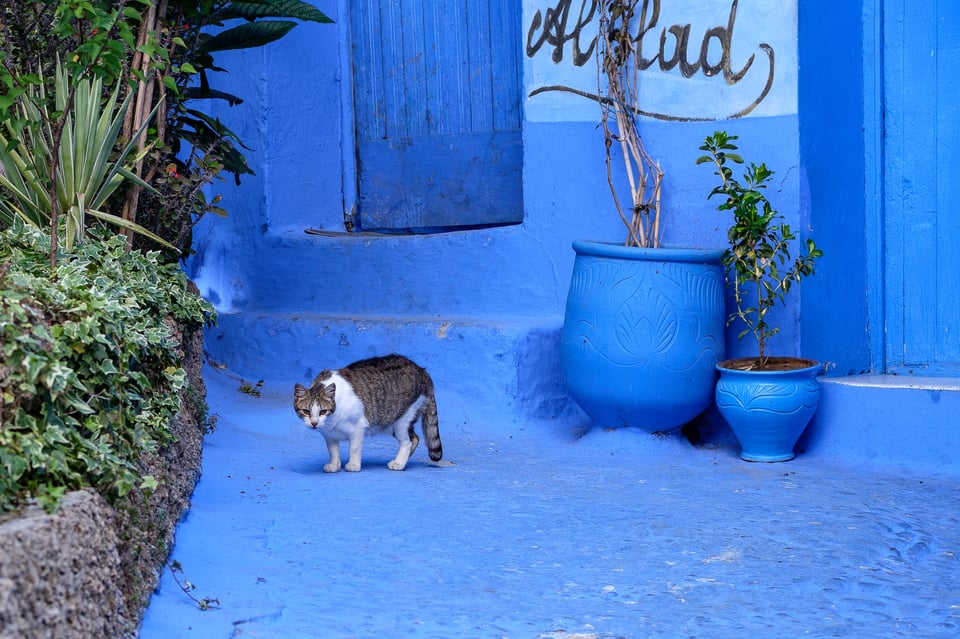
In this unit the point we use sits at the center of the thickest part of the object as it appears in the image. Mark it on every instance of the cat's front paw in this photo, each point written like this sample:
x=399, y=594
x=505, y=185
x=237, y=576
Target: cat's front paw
x=333, y=467
x=352, y=467
x=393, y=464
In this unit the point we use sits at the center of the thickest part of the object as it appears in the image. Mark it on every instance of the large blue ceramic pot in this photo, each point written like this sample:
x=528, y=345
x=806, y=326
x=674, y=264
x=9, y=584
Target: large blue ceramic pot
x=642, y=334
x=768, y=410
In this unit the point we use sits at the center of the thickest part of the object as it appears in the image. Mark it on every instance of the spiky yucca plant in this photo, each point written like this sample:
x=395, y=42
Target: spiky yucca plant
x=87, y=170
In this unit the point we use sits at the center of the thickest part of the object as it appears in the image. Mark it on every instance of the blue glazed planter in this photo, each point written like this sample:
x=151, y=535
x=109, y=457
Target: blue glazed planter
x=642, y=334
x=768, y=410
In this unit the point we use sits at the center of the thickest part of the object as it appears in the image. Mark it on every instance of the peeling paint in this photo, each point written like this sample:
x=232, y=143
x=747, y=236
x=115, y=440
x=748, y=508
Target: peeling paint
x=442, y=331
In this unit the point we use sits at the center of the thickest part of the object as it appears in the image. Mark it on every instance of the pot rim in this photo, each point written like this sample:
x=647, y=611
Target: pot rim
x=664, y=253
x=800, y=364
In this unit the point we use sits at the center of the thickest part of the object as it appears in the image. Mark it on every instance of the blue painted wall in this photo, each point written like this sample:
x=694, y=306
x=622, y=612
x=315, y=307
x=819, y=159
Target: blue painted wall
x=810, y=98
x=836, y=323
x=259, y=258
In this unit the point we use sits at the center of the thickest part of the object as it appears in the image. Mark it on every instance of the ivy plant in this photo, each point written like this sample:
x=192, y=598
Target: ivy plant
x=90, y=375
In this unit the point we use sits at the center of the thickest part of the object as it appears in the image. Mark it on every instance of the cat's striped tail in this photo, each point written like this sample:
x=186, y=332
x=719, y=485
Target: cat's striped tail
x=431, y=427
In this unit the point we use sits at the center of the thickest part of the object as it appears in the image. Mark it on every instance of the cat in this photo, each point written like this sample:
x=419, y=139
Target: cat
x=380, y=394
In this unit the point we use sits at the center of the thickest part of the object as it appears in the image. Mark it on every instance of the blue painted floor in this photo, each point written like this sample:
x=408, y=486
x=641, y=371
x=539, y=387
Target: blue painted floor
x=540, y=534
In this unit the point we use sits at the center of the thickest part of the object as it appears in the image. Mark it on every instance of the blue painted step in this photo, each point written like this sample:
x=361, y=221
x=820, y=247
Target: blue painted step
x=509, y=368
x=893, y=419
x=507, y=365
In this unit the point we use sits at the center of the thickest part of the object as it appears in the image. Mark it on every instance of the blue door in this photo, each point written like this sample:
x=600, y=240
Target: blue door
x=437, y=113
x=922, y=186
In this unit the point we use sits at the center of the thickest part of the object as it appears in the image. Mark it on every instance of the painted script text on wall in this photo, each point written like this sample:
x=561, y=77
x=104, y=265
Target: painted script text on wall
x=701, y=60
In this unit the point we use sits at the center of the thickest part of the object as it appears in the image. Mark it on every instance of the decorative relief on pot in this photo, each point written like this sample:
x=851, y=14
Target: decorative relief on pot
x=645, y=326
x=699, y=292
x=589, y=279
x=781, y=398
x=645, y=320
x=703, y=289
x=612, y=299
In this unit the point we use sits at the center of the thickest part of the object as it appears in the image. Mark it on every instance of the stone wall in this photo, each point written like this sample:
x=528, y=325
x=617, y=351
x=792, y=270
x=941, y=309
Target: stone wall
x=60, y=574
x=89, y=569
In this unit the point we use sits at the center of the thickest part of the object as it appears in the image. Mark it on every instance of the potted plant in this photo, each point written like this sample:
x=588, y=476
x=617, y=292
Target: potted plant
x=643, y=326
x=767, y=400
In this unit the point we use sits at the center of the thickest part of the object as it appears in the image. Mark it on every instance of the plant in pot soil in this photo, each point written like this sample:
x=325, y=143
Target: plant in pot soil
x=644, y=323
x=767, y=400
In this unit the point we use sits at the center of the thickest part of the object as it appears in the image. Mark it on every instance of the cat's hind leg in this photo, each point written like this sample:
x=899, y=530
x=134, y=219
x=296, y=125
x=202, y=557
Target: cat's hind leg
x=403, y=431
x=333, y=447
x=414, y=440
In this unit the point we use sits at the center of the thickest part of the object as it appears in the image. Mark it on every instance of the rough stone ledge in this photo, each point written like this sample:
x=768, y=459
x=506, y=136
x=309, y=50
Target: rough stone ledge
x=60, y=575
x=88, y=570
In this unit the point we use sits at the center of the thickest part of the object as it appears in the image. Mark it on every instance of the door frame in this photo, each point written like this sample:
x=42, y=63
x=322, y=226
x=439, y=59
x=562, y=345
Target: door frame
x=874, y=181
x=889, y=307
x=350, y=177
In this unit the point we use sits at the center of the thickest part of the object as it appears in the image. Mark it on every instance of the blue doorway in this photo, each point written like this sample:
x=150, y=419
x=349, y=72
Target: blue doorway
x=879, y=121
x=921, y=150
x=436, y=93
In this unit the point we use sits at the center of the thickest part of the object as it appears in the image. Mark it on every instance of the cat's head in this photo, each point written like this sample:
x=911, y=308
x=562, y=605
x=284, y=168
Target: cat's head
x=314, y=404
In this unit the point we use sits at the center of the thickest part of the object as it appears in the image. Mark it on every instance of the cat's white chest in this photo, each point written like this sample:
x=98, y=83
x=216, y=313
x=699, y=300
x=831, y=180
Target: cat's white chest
x=348, y=416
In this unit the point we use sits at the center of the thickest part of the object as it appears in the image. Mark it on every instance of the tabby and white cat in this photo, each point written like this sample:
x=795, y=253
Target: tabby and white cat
x=381, y=394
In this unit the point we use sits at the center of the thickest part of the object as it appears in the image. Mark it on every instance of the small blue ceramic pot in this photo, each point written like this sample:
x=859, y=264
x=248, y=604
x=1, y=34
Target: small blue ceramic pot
x=768, y=410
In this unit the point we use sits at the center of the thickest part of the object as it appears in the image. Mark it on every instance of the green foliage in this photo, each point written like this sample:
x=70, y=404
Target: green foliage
x=197, y=147
x=193, y=58
x=91, y=37
x=245, y=36
x=758, y=259
x=253, y=9
x=87, y=170
x=103, y=34
x=161, y=54
x=90, y=374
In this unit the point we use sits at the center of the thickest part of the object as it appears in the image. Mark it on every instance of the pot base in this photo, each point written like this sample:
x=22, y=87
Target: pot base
x=766, y=458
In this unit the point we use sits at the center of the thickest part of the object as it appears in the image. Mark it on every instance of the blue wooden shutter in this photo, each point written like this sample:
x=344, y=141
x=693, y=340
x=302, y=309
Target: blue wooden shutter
x=922, y=186
x=437, y=109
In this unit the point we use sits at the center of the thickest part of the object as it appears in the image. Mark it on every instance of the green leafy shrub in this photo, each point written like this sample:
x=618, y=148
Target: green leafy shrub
x=89, y=369
x=761, y=267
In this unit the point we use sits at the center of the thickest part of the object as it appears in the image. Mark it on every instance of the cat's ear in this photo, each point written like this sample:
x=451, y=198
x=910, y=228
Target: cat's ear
x=330, y=391
x=299, y=391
